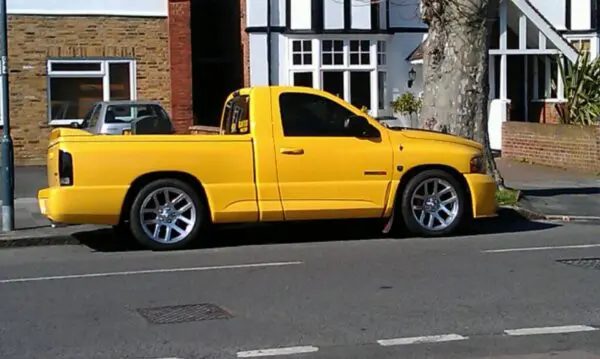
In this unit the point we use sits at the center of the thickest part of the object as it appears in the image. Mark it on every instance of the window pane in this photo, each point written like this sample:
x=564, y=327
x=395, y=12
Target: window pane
x=338, y=45
x=327, y=60
x=333, y=82
x=72, y=98
x=297, y=59
x=354, y=45
x=338, y=59
x=382, y=90
x=75, y=66
x=312, y=115
x=364, y=45
x=307, y=58
x=307, y=45
x=327, y=45
x=354, y=59
x=120, y=87
x=296, y=46
x=303, y=79
x=365, y=59
x=360, y=89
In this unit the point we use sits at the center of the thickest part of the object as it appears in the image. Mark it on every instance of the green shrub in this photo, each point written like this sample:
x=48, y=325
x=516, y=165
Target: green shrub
x=581, y=82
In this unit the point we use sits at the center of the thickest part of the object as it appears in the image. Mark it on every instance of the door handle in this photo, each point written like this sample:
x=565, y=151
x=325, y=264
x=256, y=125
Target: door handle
x=292, y=151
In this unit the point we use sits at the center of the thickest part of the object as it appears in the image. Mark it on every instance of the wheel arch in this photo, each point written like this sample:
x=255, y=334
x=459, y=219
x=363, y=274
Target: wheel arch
x=147, y=178
x=405, y=179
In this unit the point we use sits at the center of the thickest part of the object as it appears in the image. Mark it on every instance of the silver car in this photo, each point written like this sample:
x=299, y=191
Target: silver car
x=115, y=117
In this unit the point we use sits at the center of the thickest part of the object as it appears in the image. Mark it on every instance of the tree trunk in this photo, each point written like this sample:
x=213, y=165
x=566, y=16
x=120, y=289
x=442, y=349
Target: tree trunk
x=455, y=71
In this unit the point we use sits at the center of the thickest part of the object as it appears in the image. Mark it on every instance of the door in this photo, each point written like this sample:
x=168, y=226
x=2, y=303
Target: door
x=323, y=171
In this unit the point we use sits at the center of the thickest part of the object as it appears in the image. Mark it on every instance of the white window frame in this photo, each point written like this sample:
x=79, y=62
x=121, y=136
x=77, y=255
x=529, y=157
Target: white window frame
x=317, y=68
x=103, y=73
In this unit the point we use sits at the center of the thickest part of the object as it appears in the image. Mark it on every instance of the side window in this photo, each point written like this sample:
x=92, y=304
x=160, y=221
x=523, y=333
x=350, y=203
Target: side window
x=304, y=114
x=236, y=116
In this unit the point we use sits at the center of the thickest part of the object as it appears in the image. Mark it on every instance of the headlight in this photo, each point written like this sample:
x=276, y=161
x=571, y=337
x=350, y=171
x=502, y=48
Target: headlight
x=477, y=164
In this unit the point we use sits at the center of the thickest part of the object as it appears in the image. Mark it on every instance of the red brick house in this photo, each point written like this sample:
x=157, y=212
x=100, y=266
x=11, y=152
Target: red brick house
x=64, y=57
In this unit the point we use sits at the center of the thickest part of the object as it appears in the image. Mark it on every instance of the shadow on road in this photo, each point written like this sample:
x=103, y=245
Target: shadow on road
x=508, y=221
x=550, y=192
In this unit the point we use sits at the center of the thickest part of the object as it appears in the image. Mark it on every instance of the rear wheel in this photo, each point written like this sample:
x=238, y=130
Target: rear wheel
x=433, y=203
x=166, y=214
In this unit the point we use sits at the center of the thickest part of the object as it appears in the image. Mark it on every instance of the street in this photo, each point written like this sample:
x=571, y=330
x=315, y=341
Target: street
x=502, y=295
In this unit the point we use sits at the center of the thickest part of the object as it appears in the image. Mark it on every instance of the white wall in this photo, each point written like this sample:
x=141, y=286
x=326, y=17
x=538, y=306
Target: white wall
x=89, y=7
x=554, y=11
x=400, y=46
x=360, y=14
x=580, y=14
x=405, y=13
x=258, y=59
x=301, y=15
x=256, y=13
x=333, y=14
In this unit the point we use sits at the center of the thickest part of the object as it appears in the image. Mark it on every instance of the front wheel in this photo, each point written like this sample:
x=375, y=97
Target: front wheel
x=166, y=214
x=433, y=203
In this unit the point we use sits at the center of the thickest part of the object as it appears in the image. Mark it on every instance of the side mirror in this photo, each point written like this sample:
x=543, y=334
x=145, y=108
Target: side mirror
x=75, y=125
x=360, y=127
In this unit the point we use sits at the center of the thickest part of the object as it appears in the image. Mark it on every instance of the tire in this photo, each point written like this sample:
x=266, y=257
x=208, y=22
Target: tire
x=187, y=231
x=449, y=187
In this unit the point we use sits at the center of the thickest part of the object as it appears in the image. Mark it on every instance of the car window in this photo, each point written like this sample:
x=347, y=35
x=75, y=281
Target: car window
x=304, y=114
x=235, y=117
x=128, y=112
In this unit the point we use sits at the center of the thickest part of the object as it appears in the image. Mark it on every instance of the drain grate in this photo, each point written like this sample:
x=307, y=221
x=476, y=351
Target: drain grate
x=184, y=313
x=590, y=263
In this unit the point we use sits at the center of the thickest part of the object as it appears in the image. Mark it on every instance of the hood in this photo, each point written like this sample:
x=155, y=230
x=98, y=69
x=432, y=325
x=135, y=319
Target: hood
x=417, y=134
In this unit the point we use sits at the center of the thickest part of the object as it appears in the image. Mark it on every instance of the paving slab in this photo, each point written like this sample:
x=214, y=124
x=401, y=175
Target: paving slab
x=551, y=191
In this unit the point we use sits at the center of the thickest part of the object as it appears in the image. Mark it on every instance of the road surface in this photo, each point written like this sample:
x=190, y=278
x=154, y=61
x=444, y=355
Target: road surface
x=497, y=296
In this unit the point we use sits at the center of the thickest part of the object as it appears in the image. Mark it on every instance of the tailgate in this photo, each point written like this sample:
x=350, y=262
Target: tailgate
x=58, y=136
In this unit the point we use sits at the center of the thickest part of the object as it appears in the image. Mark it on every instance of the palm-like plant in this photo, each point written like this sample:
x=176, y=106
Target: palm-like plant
x=581, y=82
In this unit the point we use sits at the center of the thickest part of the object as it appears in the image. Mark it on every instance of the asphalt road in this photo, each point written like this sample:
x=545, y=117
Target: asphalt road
x=481, y=296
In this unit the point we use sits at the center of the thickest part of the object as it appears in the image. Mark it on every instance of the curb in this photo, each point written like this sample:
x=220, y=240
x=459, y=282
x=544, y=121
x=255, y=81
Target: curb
x=538, y=216
x=65, y=236
x=31, y=241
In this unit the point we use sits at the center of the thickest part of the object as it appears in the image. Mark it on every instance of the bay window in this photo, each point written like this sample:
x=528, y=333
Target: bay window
x=354, y=69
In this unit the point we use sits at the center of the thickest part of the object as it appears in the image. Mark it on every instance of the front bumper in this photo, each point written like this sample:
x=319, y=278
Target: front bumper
x=483, y=195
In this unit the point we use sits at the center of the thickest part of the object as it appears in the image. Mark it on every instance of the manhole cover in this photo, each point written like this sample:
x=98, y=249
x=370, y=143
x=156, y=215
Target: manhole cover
x=184, y=313
x=591, y=263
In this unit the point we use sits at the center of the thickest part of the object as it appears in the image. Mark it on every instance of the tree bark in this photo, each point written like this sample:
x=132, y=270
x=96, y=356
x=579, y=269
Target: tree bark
x=455, y=71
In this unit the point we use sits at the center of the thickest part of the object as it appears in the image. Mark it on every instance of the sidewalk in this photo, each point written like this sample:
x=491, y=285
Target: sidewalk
x=553, y=192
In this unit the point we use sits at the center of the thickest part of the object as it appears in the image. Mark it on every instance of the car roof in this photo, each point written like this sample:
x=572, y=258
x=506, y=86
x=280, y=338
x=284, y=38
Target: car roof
x=130, y=102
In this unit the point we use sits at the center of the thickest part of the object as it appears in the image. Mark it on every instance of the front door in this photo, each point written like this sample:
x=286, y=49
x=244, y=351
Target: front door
x=323, y=171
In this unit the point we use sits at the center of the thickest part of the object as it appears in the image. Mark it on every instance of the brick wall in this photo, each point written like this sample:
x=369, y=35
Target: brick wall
x=563, y=146
x=180, y=48
x=32, y=39
x=245, y=43
x=546, y=112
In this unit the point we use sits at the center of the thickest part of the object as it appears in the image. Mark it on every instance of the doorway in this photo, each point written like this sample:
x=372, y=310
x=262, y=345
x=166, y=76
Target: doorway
x=217, y=57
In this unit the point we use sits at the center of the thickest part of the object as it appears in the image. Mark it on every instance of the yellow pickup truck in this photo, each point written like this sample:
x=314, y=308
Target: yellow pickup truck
x=282, y=154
